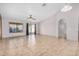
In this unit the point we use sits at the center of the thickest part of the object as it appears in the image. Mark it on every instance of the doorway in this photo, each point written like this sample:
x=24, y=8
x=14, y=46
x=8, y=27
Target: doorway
x=0, y=27
x=30, y=29
x=62, y=29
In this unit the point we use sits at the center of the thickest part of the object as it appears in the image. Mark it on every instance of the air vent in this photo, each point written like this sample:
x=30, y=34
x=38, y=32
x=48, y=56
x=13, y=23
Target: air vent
x=44, y=4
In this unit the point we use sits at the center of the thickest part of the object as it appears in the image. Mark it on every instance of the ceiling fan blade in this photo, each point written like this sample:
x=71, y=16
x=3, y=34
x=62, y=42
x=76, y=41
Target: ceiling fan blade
x=30, y=17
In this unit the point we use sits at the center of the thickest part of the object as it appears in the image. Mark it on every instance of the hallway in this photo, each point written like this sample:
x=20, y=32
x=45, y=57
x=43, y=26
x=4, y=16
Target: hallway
x=39, y=45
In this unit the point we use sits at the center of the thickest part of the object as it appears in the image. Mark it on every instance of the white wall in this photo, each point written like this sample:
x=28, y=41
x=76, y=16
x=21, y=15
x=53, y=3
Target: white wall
x=38, y=28
x=50, y=26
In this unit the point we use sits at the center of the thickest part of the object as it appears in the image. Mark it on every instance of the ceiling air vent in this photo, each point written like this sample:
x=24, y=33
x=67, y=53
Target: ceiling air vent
x=44, y=4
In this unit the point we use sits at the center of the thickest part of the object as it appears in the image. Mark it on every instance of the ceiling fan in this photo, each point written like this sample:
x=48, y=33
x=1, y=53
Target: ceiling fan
x=31, y=17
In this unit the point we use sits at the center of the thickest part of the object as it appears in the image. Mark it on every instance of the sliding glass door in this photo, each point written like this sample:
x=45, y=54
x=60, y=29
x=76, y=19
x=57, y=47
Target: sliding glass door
x=31, y=29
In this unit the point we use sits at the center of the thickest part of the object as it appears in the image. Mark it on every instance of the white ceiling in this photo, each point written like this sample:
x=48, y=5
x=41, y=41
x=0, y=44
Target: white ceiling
x=23, y=10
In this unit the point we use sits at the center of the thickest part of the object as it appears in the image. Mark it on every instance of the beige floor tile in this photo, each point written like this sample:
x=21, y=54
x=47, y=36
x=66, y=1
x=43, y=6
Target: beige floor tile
x=39, y=45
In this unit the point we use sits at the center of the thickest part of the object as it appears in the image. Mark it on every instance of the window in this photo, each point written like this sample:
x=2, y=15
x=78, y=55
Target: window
x=15, y=27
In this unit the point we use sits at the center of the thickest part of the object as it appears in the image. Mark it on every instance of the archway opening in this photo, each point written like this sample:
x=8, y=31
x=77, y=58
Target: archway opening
x=62, y=29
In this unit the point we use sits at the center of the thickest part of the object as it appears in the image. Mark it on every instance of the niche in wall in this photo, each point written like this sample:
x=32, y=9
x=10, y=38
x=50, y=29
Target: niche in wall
x=62, y=29
x=15, y=27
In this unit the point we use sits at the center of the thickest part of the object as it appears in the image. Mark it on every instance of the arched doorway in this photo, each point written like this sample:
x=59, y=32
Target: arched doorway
x=62, y=29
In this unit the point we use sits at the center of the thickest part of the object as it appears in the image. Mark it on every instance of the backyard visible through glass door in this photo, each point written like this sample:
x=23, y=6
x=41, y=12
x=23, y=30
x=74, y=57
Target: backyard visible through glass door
x=31, y=28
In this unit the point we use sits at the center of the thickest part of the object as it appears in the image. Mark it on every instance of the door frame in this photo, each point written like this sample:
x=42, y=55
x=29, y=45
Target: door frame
x=27, y=29
x=1, y=25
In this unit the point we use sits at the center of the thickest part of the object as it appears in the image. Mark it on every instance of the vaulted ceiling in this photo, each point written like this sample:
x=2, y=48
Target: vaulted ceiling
x=22, y=10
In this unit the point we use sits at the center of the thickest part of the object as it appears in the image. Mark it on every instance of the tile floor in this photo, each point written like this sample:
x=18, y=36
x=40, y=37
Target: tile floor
x=39, y=45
